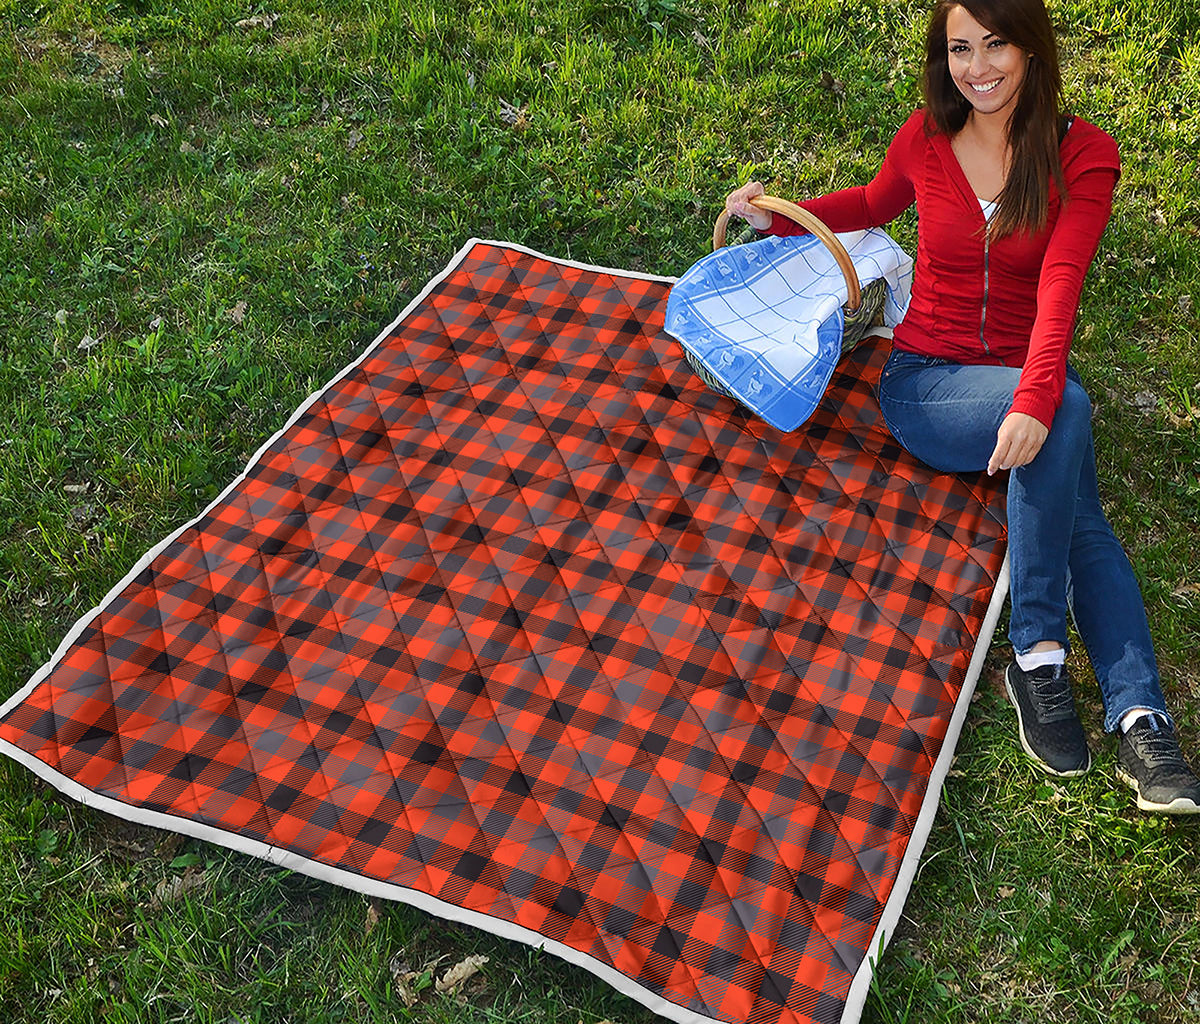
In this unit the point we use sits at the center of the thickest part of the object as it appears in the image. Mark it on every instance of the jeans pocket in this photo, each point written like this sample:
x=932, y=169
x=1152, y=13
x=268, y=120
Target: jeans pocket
x=887, y=422
x=889, y=366
x=898, y=366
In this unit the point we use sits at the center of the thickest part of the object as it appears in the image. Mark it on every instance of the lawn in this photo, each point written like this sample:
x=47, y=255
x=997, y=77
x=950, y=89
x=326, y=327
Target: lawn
x=207, y=208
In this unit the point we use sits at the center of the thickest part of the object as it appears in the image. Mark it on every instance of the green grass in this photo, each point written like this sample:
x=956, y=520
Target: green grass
x=160, y=167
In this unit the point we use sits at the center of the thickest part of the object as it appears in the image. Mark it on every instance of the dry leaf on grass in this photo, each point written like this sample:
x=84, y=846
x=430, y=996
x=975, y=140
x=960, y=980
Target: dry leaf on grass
x=372, y=916
x=831, y=84
x=1145, y=401
x=238, y=313
x=514, y=116
x=171, y=889
x=87, y=341
x=257, y=21
x=1183, y=418
x=158, y=120
x=460, y=972
x=409, y=983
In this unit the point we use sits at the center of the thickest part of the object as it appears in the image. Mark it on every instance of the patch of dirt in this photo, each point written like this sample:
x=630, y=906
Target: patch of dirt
x=84, y=55
x=126, y=840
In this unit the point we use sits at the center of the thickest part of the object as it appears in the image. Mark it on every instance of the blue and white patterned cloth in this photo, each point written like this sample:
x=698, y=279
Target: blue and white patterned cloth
x=765, y=319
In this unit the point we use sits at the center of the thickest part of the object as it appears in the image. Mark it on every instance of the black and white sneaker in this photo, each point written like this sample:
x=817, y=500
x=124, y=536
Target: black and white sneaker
x=1149, y=760
x=1051, y=732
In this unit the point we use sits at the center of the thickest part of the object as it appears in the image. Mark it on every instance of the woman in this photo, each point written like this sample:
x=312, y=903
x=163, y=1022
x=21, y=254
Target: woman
x=1012, y=198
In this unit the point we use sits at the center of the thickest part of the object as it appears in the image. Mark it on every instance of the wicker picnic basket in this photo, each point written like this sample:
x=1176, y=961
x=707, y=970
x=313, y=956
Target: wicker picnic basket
x=862, y=308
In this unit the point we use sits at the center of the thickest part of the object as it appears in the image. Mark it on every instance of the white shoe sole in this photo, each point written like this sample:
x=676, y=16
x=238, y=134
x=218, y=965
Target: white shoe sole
x=1180, y=805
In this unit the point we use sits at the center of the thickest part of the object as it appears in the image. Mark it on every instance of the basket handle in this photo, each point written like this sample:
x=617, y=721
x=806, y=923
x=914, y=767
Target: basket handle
x=806, y=220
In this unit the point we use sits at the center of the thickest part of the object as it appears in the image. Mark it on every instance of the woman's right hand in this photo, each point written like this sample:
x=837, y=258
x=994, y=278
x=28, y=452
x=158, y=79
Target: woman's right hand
x=737, y=204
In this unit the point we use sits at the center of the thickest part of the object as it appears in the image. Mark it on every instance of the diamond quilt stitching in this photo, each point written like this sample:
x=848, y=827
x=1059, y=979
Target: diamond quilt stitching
x=518, y=615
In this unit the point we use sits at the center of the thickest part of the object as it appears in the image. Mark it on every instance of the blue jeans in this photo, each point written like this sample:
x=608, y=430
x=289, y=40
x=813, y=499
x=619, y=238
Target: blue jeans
x=1062, y=550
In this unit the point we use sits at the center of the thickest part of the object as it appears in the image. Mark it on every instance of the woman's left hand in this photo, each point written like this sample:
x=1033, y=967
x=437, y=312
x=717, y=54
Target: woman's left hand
x=737, y=204
x=1018, y=441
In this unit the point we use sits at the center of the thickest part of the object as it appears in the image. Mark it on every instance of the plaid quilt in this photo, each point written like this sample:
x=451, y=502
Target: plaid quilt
x=517, y=622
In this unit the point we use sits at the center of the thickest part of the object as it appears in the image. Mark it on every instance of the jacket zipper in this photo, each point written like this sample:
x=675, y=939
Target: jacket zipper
x=983, y=309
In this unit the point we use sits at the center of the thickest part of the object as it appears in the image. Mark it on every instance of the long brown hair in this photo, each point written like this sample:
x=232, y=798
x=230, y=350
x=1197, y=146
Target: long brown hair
x=1036, y=125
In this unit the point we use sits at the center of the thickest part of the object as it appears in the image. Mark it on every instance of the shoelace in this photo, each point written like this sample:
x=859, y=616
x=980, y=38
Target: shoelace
x=1159, y=750
x=1053, y=694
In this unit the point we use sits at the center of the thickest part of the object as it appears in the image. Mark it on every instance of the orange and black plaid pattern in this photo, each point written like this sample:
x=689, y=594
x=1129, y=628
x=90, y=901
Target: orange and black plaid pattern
x=519, y=615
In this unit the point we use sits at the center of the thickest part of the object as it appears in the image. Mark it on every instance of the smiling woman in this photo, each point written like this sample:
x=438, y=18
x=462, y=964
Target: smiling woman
x=997, y=91
x=988, y=70
x=1012, y=198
